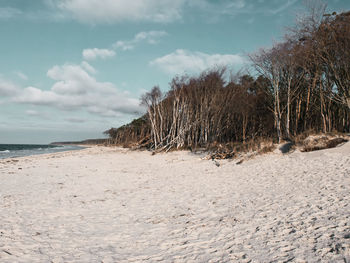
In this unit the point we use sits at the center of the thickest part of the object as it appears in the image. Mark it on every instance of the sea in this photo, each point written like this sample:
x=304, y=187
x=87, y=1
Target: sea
x=20, y=150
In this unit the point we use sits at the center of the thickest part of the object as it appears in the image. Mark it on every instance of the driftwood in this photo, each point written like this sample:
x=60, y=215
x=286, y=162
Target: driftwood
x=222, y=152
x=315, y=143
x=222, y=155
x=143, y=143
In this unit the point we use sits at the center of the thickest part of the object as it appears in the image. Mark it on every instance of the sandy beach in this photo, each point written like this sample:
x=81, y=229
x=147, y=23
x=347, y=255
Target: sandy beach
x=115, y=205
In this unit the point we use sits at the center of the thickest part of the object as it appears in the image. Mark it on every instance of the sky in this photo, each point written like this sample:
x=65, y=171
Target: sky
x=71, y=69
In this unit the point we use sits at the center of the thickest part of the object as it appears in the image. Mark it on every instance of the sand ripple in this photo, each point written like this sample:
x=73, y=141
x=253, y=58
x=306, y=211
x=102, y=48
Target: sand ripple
x=108, y=205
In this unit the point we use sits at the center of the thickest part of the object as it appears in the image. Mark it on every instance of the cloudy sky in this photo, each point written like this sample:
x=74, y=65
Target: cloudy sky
x=70, y=69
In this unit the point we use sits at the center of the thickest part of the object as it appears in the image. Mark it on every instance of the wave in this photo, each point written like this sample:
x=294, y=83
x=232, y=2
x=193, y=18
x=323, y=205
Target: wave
x=20, y=150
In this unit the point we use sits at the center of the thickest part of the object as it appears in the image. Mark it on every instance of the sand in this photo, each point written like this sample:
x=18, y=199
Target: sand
x=115, y=205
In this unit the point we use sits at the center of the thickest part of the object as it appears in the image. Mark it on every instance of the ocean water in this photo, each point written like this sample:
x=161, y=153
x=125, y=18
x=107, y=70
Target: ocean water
x=20, y=150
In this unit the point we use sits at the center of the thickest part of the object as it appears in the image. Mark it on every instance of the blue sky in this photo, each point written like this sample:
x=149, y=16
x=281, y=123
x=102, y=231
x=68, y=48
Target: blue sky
x=70, y=69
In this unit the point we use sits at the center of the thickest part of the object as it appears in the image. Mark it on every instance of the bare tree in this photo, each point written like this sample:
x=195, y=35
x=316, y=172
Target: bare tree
x=267, y=63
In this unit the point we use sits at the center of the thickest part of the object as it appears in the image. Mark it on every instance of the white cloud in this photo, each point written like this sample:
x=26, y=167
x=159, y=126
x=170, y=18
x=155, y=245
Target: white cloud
x=237, y=4
x=159, y=11
x=94, y=53
x=88, y=67
x=75, y=120
x=150, y=37
x=35, y=96
x=73, y=79
x=7, y=88
x=9, y=12
x=32, y=112
x=75, y=89
x=216, y=5
x=109, y=11
x=283, y=7
x=251, y=20
x=21, y=75
x=220, y=8
x=39, y=114
x=182, y=61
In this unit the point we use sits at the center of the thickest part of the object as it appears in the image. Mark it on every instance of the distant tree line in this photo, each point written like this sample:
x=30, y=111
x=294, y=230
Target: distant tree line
x=300, y=84
x=84, y=142
x=133, y=133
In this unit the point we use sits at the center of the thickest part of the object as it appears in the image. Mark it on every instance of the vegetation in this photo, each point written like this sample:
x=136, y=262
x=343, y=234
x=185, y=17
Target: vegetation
x=85, y=142
x=300, y=84
x=130, y=134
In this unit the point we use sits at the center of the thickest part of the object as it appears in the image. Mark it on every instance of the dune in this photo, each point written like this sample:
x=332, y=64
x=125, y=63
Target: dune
x=115, y=205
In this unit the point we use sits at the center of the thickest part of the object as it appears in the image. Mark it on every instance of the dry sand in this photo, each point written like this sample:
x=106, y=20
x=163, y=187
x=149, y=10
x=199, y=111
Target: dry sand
x=115, y=205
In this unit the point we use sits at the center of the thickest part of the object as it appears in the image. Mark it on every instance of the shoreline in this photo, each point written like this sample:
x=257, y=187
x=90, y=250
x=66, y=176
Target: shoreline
x=112, y=204
x=27, y=152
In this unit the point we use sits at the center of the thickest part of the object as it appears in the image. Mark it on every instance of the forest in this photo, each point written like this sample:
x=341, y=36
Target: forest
x=299, y=85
